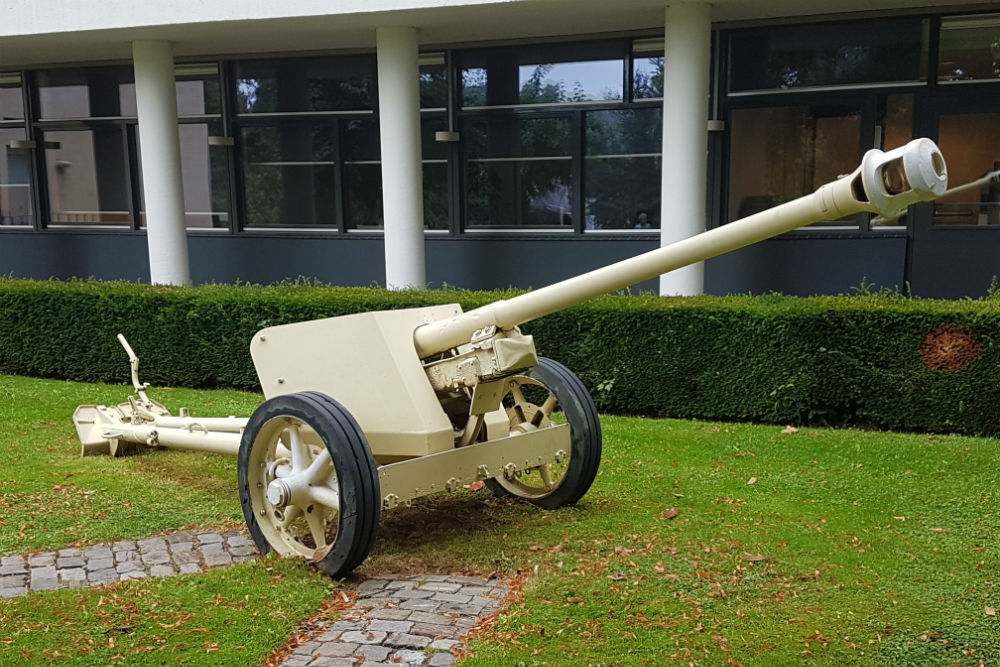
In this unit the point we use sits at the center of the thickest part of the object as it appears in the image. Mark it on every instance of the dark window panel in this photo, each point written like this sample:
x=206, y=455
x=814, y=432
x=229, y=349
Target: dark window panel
x=87, y=175
x=828, y=54
x=971, y=143
x=16, y=207
x=342, y=83
x=622, y=169
x=435, y=173
x=11, y=97
x=782, y=153
x=519, y=172
x=362, y=174
x=433, y=81
x=969, y=48
x=86, y=92
x=289, y=175
x=542, y=75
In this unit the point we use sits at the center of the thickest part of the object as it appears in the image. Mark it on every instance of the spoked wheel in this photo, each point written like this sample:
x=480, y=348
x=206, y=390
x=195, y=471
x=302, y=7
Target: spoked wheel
x=308, y=483
x=551, y=393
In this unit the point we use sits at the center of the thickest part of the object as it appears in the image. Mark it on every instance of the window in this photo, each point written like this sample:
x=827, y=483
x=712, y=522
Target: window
x=542, y=75
x=295, y=85
x=647, y=69
x=780, y=153
x=87, y=172
x=969, y=49
x=16, y=207
x=831, y=54
x=622, y=169
x=970, y=142
x=519, y=172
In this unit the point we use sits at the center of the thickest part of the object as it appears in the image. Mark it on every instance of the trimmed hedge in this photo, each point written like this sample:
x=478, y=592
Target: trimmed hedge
x=835, y=360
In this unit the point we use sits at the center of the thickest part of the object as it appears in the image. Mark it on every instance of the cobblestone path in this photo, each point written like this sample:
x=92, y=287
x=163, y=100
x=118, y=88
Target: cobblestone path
x=182, y=552
x=415, y=620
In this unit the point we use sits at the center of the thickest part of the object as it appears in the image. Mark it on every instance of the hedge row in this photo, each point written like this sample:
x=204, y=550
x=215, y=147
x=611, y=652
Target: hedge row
x=859, y=360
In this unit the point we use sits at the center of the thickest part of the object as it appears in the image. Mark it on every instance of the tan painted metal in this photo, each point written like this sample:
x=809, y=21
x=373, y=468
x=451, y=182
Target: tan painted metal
x=368, y=364
x=885, y=183
x=446, y=471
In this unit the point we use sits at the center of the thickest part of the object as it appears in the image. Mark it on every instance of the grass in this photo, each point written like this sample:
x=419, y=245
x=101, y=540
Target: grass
x=821, y=547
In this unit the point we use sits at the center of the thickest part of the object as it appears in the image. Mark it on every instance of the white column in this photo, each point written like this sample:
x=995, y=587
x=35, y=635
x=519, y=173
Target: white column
x=402, y=182
x=156, y=101
x=686, y=74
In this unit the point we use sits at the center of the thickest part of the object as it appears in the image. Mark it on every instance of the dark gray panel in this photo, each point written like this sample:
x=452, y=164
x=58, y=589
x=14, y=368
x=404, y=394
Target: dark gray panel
x=951, y=264
x=803, y=266
x=74, y=255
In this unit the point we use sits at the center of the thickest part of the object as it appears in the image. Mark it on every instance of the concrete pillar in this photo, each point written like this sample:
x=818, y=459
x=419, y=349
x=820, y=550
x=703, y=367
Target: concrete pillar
x=402, y=180
x=686, y=75
x=156, y=102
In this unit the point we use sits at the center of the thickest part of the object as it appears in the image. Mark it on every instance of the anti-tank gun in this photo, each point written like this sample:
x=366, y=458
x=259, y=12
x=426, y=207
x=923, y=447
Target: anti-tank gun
x=369, y=411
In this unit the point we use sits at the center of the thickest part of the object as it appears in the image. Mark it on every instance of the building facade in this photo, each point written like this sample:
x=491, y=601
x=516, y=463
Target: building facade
x=488, y=144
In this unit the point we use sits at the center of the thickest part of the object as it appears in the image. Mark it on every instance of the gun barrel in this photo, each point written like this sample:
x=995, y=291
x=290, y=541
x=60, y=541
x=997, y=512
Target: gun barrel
x=884, y=183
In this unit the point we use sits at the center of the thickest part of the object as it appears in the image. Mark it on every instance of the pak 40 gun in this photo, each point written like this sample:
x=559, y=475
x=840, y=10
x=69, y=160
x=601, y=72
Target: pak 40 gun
x=365, y=412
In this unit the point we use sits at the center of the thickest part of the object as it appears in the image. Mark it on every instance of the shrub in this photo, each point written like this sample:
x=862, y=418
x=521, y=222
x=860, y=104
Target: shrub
x=879, y=360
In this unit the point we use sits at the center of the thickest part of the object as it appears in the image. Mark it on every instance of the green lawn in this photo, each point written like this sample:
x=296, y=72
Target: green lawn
x=847, y=547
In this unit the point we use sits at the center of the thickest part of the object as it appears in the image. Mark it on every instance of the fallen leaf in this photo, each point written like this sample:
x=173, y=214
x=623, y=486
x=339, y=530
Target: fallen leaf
x=789, y=430
x=991, y=611
x=668, y=514
x=753, y=558
x=475, y=486
x=618, y=576
x=899, y=518
x=751, y=481
x=938, y=530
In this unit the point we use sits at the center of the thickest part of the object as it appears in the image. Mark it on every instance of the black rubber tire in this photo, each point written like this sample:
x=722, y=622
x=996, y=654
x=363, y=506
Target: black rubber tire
x=585, y=435
x=360, y=499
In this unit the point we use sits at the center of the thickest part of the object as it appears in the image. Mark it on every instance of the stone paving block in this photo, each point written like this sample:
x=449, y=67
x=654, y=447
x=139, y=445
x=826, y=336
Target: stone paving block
x=408, y=657
x=181, y=547
x=324, y=661
x=123, y=545
x=346, y=625
x=72, y=574
x=213, y=548
x=42, y=559
x=410, y=594
x=181, y=557
x=296, y=660
x=441, y=660
x=466, y=622
x=336, y=649
x=306, y=648
x=15, y=559
x=243, y=551
x=243, y=559
x=103, y=576
x=451, y=597
x=131, y=556
x=390, y=626
x=458, y=608
x=401, y=584
x=444, y=644
x=151, y=544
x=373, y=653
x=70, y=561
x=155, y=557
x=430, y=617
x=161, y=571
x=371, y=585
x=130, y=566
x=434, y=631
x=190, y=568
x=240, y=541
x=441, y=587
x=12, y=592
x=95, y=564
x=218, y=559
x=329, y=636
x=14, y=567
x=369, y=663
x=476, y=590
x=420, y=605
x=363, y=637
x=13, y=580
x=406, y=640
x=71, y=552
x=98, y=551
x=139, y=574
x=179, y=537
x=433, y=577
x=390, y=614
x=209, y=538
x=43, y=572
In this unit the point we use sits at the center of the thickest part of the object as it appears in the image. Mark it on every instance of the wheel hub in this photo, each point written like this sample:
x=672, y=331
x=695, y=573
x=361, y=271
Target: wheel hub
x=279, y=493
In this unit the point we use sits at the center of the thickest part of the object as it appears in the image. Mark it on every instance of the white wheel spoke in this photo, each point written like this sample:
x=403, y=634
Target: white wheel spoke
x=317, y=527
x=549, y=405
x=546, y=472
x=319, y=468
x=326, y=496
x=300, y=452
x=292, y=513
